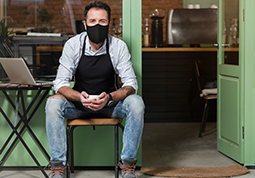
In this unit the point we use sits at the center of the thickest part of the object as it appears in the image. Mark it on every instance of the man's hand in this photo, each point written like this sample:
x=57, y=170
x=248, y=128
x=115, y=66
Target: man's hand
x=83, y=99
x=94, y=104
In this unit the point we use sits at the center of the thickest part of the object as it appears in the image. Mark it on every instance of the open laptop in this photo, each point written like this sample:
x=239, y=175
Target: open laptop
x=18, y=72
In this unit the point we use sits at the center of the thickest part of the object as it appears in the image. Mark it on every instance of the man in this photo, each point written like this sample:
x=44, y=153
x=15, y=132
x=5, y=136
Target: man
x=95, y=58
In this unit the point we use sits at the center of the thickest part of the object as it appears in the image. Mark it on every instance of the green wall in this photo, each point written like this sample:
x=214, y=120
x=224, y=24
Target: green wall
x=247, y=61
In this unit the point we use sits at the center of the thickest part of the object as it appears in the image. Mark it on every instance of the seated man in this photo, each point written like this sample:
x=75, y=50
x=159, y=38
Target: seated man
x=95, y=59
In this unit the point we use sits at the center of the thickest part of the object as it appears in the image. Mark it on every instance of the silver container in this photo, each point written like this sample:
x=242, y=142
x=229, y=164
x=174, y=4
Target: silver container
x=191, y=26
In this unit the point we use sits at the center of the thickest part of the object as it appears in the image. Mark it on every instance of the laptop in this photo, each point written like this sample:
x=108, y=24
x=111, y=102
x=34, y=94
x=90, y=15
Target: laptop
x=19, y=73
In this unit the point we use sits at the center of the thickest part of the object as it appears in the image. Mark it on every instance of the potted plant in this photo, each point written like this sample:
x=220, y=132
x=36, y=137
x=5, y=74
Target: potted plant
x=6, y=37
x=44, y=16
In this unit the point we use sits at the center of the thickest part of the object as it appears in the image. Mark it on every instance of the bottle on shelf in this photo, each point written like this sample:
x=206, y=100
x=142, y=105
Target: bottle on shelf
x=224, y=34
x=146, y=34
x=233, y=38
x=113, y=30
x=119, y=29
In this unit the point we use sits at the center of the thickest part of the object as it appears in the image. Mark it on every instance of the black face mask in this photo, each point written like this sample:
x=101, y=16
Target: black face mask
x=97, y=33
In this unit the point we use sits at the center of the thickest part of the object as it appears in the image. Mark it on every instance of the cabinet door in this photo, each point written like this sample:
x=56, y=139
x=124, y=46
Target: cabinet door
x=230, y=123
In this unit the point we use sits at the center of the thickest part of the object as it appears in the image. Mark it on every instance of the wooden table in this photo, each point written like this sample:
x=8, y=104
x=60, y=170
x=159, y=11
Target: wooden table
x=41, y=93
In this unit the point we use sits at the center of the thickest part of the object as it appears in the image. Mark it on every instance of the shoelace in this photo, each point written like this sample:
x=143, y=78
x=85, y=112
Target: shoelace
x=58, y=170
x=127, y=169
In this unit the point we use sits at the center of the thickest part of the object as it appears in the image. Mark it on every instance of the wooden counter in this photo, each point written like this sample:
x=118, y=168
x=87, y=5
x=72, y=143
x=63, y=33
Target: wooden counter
x=167, y=88
x=185, y=49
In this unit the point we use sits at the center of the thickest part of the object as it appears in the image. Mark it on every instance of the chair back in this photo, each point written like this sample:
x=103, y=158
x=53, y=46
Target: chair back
x=203, y=77
x=197, y=74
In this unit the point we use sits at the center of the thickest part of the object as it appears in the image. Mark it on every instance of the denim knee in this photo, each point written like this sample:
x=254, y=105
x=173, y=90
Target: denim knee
x=135, y=104
x=54, y=107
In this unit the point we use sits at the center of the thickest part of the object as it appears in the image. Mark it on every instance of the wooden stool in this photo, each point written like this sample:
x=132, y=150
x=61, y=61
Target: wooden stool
x=72, y=124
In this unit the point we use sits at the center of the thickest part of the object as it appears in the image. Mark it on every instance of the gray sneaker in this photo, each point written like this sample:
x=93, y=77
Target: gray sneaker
x=128, y=168
x=57, y=169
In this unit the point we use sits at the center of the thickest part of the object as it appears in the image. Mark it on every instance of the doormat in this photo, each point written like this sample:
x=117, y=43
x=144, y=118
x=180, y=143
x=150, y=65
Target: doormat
x=196, y=172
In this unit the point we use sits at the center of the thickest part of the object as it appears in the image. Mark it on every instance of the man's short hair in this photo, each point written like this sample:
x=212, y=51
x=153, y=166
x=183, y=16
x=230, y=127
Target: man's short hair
x=100, y=5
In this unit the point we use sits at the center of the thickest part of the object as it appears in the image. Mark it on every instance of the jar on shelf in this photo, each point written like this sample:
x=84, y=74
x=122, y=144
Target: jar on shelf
x=233, y=37
x=146, y=34
x=157, y=16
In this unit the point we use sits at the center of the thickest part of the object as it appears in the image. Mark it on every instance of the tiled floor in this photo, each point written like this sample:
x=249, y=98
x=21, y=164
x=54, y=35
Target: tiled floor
x=164, y=144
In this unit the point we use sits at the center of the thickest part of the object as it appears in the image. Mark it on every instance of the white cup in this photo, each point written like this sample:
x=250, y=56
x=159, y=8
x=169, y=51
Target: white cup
x=213, y=6
x=190, y=6
x=93, y=97
x=196, y=6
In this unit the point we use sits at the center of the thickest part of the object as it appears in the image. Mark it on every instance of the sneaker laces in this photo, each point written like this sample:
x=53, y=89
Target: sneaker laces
x=58, y=170
x=127, y=169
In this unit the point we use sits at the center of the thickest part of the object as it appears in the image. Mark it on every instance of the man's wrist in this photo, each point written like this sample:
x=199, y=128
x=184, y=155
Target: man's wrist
x=110, y=101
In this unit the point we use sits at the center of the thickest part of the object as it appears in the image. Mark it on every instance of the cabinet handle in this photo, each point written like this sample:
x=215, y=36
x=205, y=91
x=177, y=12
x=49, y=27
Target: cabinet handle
x=225, y=45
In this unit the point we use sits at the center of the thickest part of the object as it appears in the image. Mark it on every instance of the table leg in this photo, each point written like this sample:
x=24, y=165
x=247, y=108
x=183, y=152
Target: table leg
x=25, y=121
x=10, y=136
x=24, y=144
x=30, y=117
x=17, y=109
x=20, y=121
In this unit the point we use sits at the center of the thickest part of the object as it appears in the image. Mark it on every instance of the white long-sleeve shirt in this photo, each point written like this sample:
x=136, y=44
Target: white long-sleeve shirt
x=72, y=52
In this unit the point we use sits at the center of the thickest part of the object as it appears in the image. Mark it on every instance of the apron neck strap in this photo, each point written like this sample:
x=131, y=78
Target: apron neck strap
x=84, y=45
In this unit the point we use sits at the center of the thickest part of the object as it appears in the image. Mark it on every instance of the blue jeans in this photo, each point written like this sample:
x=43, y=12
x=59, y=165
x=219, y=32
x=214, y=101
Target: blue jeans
x=58, y=109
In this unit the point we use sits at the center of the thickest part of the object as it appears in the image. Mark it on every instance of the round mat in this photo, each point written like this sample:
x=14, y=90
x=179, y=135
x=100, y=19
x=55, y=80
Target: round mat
x=196, y=172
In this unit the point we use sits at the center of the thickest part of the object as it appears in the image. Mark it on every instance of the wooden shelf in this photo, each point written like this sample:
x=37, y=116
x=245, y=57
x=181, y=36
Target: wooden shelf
x=174, y=49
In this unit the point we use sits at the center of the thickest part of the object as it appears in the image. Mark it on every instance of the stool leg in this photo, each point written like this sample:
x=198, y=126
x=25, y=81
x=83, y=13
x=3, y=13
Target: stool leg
x=72, y=154
x=67, y=151
x=116, y=152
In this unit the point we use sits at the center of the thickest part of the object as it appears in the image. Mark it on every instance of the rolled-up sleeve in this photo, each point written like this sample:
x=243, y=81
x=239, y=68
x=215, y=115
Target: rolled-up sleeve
x=125, y=67
x=66, y=67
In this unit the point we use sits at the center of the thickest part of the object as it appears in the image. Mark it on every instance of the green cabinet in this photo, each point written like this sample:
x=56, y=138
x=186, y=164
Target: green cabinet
x=236, y=86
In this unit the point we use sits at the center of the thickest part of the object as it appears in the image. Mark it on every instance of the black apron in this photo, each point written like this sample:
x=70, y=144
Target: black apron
x=94, y=75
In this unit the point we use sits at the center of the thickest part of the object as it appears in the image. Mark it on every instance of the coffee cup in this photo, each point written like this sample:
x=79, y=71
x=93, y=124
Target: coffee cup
x=190, y=6
x=196, y=6
x=93, y=97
